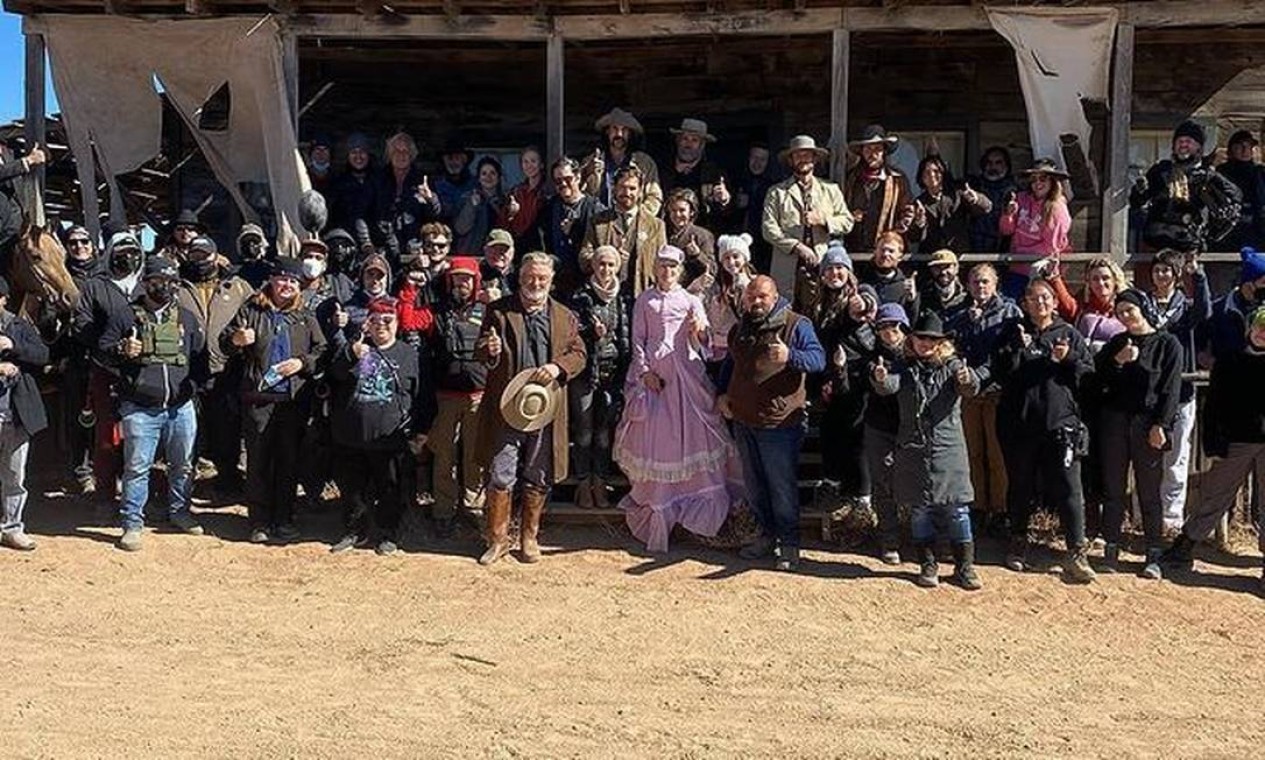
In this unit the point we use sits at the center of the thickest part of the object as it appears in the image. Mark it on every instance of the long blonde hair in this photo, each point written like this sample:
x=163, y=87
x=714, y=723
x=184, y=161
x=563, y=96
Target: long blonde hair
x=1118, y=276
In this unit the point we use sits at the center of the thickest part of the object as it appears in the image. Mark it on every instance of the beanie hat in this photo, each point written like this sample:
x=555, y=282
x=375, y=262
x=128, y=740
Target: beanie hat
x=1192, y=130
x=892, y=312
x=359, y=141
x=736, y=244
x=1253, y=265
x=836, y=255
x=1142, y=301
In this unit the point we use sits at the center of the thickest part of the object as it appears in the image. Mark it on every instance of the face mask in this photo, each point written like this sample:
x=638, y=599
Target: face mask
x=342, y=257
x=160, y=292
x=252, y=250
x=203, y=269
x=122, y=264
x=321, y=167
x=312, y=268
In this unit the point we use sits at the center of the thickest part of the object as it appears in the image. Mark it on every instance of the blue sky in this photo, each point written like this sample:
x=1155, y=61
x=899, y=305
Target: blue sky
x=12, y=60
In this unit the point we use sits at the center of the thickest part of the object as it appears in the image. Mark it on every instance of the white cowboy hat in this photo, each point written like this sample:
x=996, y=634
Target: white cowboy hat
x=620, y=118
x=802, y=142
x=528, y=405
x=694, y=127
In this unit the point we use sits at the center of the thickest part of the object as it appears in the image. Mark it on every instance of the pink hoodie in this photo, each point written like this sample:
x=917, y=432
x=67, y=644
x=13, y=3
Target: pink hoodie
x=1030, y=235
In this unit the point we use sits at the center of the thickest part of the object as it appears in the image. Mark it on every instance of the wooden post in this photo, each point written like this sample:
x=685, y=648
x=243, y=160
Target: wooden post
x=290, y=68
x=1115, y=198
x=840, y=58
x=555, y=86
x=35, y=125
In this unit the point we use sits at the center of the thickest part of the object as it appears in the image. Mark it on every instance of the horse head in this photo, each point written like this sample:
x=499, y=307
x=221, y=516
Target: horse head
x=38, y=269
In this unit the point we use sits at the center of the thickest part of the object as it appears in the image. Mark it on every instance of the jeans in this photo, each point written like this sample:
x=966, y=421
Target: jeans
x=14, y=446
x=930, y=520
x=525, y=458
x=770, y=466
x=593, y=416
x=1176, y=464
x=143, y=430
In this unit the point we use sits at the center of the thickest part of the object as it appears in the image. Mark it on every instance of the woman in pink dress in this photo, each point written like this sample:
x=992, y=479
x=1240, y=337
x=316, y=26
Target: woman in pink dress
x=671, y=443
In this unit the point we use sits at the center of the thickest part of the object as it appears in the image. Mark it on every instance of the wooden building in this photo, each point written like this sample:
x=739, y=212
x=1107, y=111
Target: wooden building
x=501, y=74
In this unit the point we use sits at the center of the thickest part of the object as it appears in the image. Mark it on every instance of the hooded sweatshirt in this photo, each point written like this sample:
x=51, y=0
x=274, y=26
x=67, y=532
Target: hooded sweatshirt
x=452, y=342
x=379, y=400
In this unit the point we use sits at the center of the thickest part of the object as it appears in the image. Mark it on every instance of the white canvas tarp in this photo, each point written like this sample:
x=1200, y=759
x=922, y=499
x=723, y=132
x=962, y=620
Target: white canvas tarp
x=106, y=71
x=1064, y=57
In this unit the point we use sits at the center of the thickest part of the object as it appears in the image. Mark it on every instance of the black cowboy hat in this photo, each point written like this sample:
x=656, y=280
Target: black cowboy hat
x=1044, y=166
x=929, y=325
x=188, y=218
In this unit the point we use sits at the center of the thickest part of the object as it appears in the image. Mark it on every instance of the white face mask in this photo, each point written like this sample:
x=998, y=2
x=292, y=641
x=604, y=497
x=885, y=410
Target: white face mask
x=312, y=268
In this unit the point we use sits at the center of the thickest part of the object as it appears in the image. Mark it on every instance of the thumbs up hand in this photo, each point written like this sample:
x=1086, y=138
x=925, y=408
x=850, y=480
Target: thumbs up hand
x=879, y=373
x=779, y=353
x=968, y=194
x=1127, y=354
x=424, y=192
x=35, y=157
x=340, y=315
x=492, y=343
x=130, y=346
x=964, y=375
x=243, y=336
x=360, y=347
x=1061, y=349
x=840, y=357
x=1024, y=337
x=512, y=207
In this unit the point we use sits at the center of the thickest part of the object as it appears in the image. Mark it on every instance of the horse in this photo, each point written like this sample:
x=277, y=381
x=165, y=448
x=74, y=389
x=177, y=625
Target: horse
x=38, y=277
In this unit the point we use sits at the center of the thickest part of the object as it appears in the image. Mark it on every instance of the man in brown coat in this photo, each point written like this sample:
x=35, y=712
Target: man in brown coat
x=523, y=331
x=631, y=228
x=877, y=193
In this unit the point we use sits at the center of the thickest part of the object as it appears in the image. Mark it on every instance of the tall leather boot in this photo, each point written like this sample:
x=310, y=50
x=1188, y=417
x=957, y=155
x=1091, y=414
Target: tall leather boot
x=498, y=514
x=533, y=508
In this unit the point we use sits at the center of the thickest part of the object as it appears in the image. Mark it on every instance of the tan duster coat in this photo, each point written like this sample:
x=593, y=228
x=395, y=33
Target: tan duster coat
x=783, y=225
x=566, y=350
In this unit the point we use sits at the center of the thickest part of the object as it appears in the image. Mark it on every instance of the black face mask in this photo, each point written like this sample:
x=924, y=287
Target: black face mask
x=160, y=292
x=123, y=264
x=252, y=251
x=202, y=270
x=341, y=257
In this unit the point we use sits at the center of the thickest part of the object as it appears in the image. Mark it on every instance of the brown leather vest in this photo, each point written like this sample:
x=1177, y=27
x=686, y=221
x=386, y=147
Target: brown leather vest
x=761, y=393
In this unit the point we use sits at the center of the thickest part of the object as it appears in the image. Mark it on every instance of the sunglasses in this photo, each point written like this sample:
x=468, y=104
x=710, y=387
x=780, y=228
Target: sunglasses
x=79, y=241
x=381, y=319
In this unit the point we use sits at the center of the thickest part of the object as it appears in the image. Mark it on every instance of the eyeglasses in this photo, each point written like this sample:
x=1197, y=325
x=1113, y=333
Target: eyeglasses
x=435, y=244
x=80, y=241
x=568, y=179
x=381, y=319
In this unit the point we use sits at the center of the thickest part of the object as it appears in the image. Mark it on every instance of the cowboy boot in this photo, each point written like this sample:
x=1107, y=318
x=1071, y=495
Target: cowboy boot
x=498, y=513
x=584, y=493
x=601, y=500
x=533, y=508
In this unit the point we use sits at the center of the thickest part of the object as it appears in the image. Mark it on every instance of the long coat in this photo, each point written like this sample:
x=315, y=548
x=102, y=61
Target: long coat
x=565, y=349
x=931, y=466
x=785, y=208
x=638, y=243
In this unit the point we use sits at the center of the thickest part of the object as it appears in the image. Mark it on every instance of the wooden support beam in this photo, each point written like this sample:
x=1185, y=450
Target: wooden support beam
x=555, y=106
x=1115, y=200
x=507, y=28
x=34, y=125
x=654, y=25
x=840, y=59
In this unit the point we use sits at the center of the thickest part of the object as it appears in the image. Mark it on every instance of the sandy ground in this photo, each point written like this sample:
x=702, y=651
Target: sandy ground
x=209, y=646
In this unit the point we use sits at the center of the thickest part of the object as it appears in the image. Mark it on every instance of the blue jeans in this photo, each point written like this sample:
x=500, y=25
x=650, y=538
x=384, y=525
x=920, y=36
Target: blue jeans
x=770, y=465
x=143, y=429
x=928, y=520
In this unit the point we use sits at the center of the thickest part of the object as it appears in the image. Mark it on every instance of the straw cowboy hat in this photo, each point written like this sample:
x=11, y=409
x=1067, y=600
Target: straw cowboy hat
x=802, y=142
x=618, y=117
x=693, y=127
x=875, y=134
x=528, y=405
x=1044, y=166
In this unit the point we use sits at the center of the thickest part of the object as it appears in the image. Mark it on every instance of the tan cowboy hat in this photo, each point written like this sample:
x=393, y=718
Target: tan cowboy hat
x=802, y=142
x=528, y=405
x=873, y=135
x=694, y=127
x=1044, y=166
x=620, y=118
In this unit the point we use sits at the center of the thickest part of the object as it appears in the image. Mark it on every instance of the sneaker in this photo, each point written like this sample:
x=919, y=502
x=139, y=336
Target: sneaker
x=349, y=541
x=87, y=485
x=928, y=575
x=184, y=522
x=788, y=559
x=259, y=536
x=1017, y=554
x=1180, y=556
x=759, y=549
x=17, y=539
x=1110, y=559
x=890, y=557
x=1152, y=571
x=130, y=540
x=385, y=548
x=285, y=532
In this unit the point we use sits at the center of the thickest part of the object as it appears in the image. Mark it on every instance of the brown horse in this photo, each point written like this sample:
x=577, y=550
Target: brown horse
x=38, y=276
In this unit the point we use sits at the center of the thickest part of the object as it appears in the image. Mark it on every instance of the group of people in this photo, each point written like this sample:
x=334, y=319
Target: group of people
x=451, y=342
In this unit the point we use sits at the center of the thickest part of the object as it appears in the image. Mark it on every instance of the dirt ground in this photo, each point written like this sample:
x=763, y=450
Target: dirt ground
x=211, y=647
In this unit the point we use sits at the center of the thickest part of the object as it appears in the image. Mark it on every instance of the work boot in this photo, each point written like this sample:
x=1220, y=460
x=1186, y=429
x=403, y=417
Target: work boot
x=1181, y=555
x=1110, y=559
x=131, y=540
x=1017, y=554
x=498, y=515
x=533, y=509
x=929, y=569
x=1152, y=570
x=890, y=554
x=787, y=559
x=964, y=566
x=1076, y=567
x=758, y=549
x=584, y=493
x=346, y=543
x=601, y=499
x=184, y=522
x=17, y=539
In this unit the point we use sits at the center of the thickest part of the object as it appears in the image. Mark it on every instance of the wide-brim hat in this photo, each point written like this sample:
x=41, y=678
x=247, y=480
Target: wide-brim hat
x=528, y=405
x=802, y=142
x=1044, y=166
x=929, y=325
x=618, y=117
x=875, y=134
x=694, y=127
